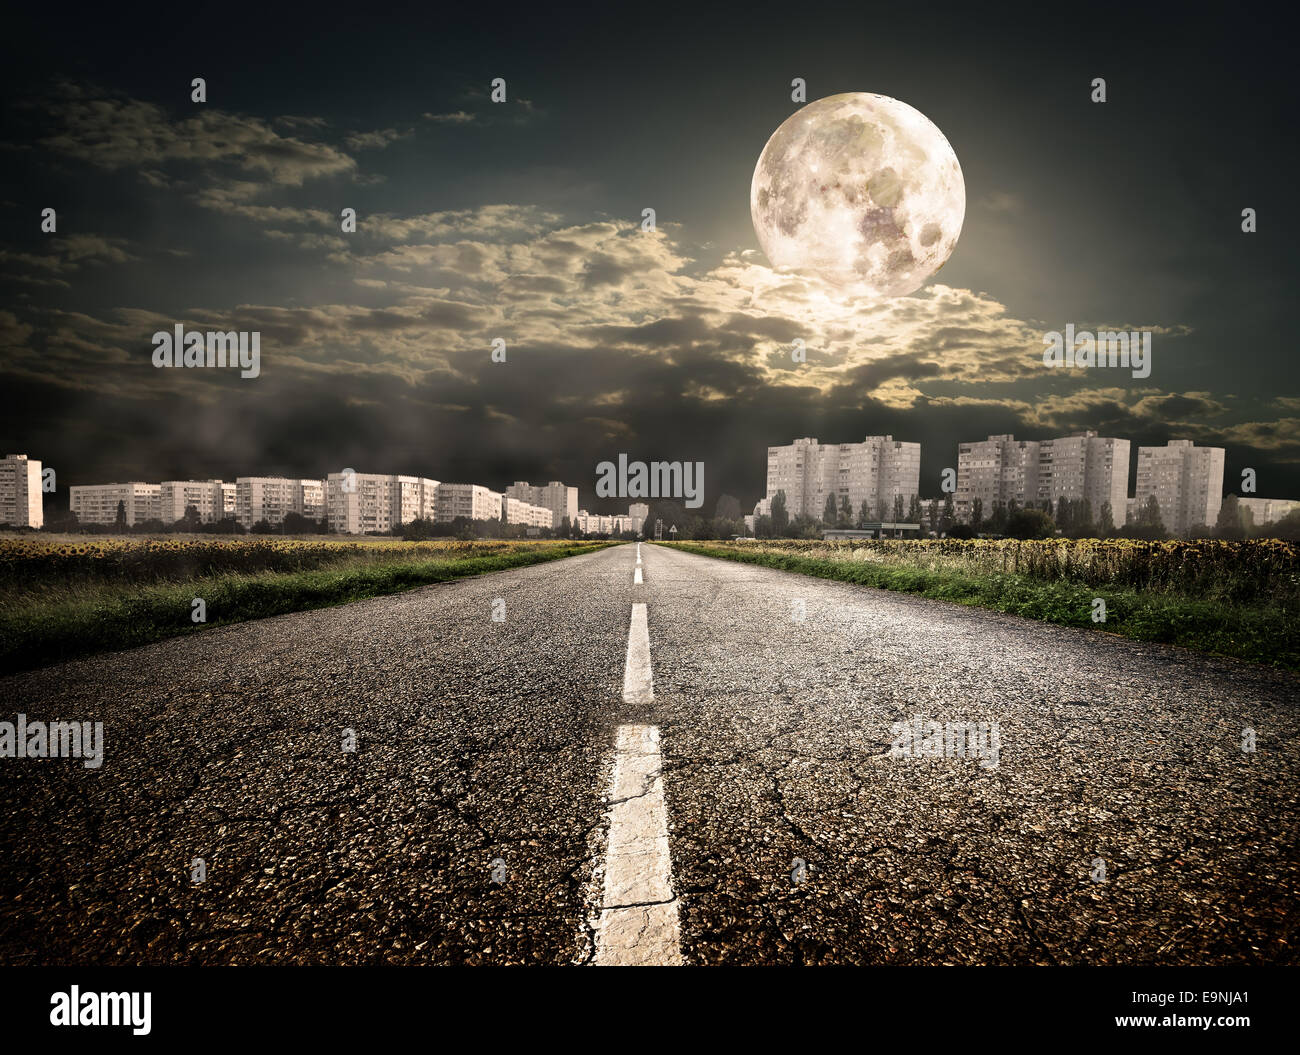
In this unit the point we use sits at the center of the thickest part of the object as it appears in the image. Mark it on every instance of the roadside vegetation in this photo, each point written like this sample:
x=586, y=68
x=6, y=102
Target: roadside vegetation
x=63, y=597
x=1231, y=598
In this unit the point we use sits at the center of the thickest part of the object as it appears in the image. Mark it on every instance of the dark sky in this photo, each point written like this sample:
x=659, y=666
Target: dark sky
x=521, y=220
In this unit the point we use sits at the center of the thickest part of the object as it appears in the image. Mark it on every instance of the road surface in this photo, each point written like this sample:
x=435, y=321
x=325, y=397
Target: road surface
x=710, y=781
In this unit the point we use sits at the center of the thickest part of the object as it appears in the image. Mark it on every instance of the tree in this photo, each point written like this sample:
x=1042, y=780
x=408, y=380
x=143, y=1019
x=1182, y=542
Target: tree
x=1149, y=515
x=914, y=510
x=934, y=516
x=976, y=514
x=829, y=514
x=846, y=512
x=1229, y=525
x=1146, y=523
x=191, y=520
x=998, y=521
x=949, y=514
x=119, y=521
x=864, y=513
x=899, y=508
x=1030, y=523
x=297, y=524
x=780, y=516
x=1106, y=523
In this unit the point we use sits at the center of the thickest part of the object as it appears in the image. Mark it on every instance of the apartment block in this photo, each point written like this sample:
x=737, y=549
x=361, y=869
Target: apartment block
x=604, y=524
x=468, y=500
x=638, y=513
x=1186, y=480
x=98, y=503
x=20, y=492
x=517, y=512
x=271, y=498
x=878, y=470
x=1002, y=469
x=357, y=503
x=207, y=496
x=1267, y=510
x=559, y=498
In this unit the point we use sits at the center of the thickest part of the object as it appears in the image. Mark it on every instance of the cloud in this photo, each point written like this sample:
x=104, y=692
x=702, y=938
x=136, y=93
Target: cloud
x=113, y=132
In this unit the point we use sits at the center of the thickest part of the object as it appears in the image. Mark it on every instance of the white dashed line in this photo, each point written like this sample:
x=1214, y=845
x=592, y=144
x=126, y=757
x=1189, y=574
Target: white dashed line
x=638, y=923
x=637, y=579
x=638, y=680
x=638, y=553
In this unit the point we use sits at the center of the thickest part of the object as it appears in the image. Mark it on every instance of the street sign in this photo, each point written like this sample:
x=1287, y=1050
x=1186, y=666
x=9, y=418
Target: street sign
x=673, y=531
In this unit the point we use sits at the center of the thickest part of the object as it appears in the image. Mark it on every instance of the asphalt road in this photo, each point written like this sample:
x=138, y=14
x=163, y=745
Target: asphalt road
x=470, y=825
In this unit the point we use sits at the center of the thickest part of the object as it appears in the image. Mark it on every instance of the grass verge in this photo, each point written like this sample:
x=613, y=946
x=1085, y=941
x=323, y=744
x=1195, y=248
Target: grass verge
x=107, y=616
x=1262, y=633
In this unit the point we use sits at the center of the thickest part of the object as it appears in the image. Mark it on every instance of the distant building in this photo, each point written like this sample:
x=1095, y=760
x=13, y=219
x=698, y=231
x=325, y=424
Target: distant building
x=361, y=503
x=207, y=496
x=21, y=502
x=98, y=503
x=468, y=500
x=1186, y=480
x=605, y=524
x=271, y=498
x=879, y=470
x=1265, y=511
x=638, y=513
x=1001, y=470
x=559, y=498
x=517, y=512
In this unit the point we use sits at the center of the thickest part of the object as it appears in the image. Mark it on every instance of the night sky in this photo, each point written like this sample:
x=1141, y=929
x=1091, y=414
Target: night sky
x=521, y=220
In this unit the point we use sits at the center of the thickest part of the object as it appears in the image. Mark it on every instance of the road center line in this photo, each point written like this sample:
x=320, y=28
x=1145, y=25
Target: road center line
x=638, y=923
x=638, y=680
x=637, y=579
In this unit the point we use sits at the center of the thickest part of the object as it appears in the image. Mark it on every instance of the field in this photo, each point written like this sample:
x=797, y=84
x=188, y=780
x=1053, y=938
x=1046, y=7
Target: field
x=67, y=596
x=1237, y=599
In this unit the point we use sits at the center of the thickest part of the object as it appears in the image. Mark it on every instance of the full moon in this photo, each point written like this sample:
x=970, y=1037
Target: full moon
x=861, y=191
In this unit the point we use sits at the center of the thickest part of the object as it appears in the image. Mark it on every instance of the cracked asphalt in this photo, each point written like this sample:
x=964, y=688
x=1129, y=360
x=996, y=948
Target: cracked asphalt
x=484, y=752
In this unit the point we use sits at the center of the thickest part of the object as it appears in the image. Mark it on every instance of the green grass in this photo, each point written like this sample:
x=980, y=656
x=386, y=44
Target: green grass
x=1263, y=632
x=80, y=619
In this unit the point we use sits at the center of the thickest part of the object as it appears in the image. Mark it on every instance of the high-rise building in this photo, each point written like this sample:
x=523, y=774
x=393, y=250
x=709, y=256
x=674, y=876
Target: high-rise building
x=878, y=470
x=207, y=496
x=20, y=492
x=517, y=512
x=98, y=503
x=468, y=500
x=1001, y=470
x=638, y=513
x=560, y=499
x=358, y=503
x=1186, y=480
x=270, y=498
